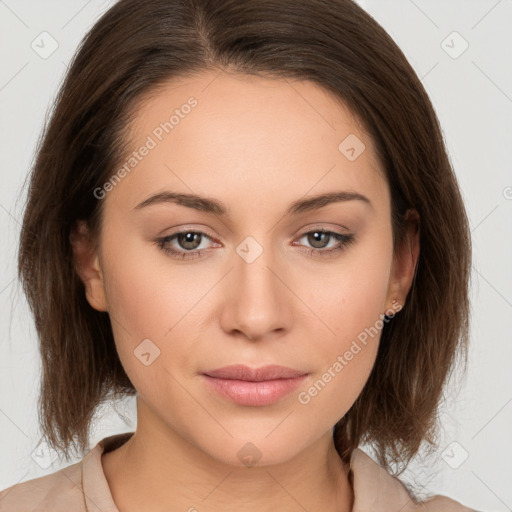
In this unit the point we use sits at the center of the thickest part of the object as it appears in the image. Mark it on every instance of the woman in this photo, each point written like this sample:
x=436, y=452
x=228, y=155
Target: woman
x=244, y=214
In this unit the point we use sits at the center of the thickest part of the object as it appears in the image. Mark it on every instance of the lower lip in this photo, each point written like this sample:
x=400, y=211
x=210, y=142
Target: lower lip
x=254, y=393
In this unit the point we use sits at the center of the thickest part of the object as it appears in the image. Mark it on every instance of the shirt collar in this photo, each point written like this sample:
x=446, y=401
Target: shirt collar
x=374, y=488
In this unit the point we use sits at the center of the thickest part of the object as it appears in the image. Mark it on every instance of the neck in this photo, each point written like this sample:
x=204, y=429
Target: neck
x=158, y=470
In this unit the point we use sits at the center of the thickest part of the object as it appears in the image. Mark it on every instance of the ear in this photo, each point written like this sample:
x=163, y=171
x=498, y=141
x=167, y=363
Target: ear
x=404, y=262
x=87, y=265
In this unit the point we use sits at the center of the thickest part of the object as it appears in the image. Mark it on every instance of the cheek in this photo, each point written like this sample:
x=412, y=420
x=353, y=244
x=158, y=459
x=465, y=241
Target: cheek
x=345, y=360
x=146, y=292
x=351, y=302
x=137, y=298
x=155, y=307
x=352, y=296
x=332, y=393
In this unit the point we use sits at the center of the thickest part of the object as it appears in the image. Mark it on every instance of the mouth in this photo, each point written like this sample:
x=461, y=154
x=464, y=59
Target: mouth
x=254, y=387
x=264, y=373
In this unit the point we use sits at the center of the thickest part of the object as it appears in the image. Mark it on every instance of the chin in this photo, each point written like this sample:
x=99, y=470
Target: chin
x=255, y=450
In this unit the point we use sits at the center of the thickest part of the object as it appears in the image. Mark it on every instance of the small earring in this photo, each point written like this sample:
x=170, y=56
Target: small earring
x=394, y=301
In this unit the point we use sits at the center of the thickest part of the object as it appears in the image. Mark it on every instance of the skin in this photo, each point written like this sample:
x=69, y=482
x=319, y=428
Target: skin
x=257, y=145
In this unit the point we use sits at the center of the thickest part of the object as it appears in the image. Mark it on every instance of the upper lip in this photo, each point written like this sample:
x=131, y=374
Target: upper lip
x=242, y=372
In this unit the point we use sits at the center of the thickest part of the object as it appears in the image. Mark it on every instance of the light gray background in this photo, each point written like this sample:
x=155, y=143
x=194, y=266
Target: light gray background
x=472, y=95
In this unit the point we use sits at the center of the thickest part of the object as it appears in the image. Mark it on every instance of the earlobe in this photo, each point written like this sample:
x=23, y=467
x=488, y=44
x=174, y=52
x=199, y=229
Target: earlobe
x=87, y=266
x=405, y=262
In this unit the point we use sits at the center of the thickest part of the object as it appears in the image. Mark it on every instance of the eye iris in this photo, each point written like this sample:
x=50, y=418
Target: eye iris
x=314, y=239
x=188, y=238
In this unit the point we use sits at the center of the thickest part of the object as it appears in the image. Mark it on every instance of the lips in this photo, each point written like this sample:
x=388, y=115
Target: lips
x=245, y=373
x=254, y=387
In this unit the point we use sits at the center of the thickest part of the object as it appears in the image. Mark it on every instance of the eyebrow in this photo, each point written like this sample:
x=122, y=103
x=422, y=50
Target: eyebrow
x=210, y=205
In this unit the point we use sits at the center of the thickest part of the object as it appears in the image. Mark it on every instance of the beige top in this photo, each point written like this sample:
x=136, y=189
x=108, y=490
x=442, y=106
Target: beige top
x=71, y=488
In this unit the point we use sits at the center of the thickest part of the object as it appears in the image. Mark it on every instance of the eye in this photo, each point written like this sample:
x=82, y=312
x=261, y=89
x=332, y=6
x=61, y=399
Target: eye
x=189, y=243
x=188, y=240
x=320, y=239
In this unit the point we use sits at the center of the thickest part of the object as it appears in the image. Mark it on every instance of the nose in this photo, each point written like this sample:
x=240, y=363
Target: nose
x=258, y=300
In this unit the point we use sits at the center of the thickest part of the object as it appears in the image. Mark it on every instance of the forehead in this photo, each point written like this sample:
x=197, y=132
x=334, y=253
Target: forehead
x=222, y=134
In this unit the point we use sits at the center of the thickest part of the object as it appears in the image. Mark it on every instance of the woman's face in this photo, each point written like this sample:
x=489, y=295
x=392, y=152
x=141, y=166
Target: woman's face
x=246, y=289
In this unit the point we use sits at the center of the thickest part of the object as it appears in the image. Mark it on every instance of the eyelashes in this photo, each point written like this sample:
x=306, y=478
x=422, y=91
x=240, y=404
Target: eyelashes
x=190, y=237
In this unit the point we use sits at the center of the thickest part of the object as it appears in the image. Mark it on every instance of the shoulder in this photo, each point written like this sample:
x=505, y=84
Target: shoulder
x=443, y=504
x=378, y=491
x=59, y=492
x=81, y=487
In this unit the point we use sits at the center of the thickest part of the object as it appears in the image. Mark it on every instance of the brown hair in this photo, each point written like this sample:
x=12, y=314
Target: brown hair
x=133, y=49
